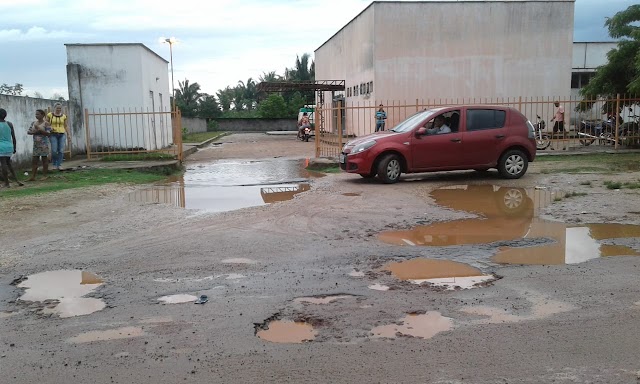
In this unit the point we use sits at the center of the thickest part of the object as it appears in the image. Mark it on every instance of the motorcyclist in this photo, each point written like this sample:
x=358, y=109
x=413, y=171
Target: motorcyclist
x=302, y=124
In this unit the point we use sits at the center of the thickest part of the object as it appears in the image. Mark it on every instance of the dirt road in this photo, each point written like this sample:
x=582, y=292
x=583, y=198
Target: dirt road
x=571, y=320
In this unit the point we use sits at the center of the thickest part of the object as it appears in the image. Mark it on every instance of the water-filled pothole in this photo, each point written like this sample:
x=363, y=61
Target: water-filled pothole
x=424, y=326
x=232, y=184
x=444, y=273
x=178, y=299
x=321, y=299
x=287, y=331
x=68, y=288
x=510, y=214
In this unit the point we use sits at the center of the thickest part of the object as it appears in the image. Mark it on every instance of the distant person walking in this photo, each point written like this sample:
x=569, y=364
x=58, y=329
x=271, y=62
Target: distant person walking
x=59, y=130
x=40, y=129
x=381, y=116
x=558, y=122
x=7, y=148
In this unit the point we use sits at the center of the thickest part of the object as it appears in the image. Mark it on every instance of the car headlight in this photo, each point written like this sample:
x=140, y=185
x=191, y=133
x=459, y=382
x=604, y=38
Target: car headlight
x=363, y=146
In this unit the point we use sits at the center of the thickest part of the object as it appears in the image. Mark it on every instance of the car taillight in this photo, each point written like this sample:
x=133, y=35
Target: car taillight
x=532, y=130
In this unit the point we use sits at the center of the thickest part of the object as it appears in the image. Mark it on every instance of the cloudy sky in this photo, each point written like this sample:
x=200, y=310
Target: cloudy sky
x=220, y=41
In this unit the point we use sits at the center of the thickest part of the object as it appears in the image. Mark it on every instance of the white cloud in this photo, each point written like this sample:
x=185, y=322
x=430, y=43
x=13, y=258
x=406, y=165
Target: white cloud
x=35, y=33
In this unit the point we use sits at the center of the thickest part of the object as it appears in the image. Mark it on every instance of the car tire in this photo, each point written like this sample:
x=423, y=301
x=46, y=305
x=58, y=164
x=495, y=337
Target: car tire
x=513, y=164
x=389, y=169
x=512, y=201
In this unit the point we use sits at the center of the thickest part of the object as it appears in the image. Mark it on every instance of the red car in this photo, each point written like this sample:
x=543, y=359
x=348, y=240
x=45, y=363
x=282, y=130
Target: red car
x=446, y=139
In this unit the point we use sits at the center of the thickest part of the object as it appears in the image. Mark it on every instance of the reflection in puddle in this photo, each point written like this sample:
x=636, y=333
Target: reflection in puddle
x=178, y=299
x=110, y=334
x=67, y=287
x=285, y=331
x=378, y=287
x=321, y=299
x=508, y=214
x=424, y=326
x=453, y=283
x=229, y=185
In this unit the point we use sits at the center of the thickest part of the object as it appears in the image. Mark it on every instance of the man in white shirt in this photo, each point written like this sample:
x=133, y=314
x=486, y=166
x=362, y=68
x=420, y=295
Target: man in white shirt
x=439, y=126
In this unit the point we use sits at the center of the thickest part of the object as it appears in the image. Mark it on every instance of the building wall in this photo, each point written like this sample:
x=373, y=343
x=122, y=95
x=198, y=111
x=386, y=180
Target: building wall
x=590, y=55
x=119, y=78
x=194, y=124
x=21, y=112
x=455, y=50
x=256, y=125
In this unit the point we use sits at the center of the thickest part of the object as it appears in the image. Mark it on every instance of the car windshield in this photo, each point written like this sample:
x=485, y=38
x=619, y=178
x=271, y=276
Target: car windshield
x=410, y=122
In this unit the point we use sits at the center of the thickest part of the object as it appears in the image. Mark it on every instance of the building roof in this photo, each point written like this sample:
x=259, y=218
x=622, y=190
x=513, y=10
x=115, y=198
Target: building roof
x=117, y=44
x=440, y=2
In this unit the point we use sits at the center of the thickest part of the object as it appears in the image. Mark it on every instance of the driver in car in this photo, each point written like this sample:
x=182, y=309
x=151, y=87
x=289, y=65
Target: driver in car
x=439, y=126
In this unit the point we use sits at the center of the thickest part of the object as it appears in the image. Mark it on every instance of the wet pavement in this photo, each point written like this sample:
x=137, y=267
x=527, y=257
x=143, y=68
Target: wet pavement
x=227, y=185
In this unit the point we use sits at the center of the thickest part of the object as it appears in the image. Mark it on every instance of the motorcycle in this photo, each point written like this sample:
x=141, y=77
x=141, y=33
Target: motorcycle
x=305, y=134
x=542, y=139
x=603, y=131
x=631, y=129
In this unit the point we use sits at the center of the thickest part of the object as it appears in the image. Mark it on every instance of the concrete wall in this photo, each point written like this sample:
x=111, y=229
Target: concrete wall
x=256, y=125
x=21, y=112
x=108, y=78
x=454, y=50
x=194, y=124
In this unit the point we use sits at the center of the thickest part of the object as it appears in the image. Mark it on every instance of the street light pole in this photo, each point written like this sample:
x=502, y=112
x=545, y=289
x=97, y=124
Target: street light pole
x=172, y=40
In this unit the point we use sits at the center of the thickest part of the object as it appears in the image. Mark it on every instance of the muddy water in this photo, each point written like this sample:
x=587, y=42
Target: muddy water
x=417, y=269
x=66, y=286
x=228, y=185
x=423, y=326
x=507, y=214
x=286, y=331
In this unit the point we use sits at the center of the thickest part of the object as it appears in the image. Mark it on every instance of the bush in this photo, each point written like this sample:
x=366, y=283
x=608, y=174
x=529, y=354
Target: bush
x=212, y=126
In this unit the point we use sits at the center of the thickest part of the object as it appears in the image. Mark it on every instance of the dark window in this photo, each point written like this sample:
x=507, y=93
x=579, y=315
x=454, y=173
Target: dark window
x=371, y=87
x=575, y=80
x=478, y=119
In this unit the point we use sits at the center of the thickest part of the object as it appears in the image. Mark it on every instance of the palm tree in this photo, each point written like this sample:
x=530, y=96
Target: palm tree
x=187, y=97
x=225, y=98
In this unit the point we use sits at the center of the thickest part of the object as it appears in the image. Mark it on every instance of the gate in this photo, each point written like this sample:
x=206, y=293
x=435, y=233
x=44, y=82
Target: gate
x=109, y=132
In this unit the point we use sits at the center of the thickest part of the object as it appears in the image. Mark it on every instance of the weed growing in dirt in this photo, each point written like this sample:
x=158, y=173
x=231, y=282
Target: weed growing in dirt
x=619, y=185
x=59, y=181
x=586, y=183
x=202, y=136
x=575, y=194
x=596, y=162
x=325, y=168
x=139, y=157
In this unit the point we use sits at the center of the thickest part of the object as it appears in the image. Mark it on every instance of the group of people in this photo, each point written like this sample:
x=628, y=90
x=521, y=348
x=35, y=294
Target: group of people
x=49, y=132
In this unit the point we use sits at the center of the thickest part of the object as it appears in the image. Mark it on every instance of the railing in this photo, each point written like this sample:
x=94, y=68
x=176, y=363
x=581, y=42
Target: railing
x=585, y=121
x=120, y=132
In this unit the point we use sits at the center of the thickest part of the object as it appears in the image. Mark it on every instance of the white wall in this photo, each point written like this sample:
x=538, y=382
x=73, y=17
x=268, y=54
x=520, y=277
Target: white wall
x=115, y=78
x=590, y=55
x=21, y=112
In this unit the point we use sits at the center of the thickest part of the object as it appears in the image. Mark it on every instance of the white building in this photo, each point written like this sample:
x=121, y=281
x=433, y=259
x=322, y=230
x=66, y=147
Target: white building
x=426, y=50
x=587, y=57
x=124, y=87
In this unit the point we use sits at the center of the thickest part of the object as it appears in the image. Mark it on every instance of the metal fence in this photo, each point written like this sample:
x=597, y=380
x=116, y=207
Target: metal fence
x=590, y=122
x=120, y=132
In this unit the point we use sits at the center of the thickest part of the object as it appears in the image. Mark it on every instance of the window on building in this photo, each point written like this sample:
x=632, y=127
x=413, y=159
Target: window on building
x=479, y=119
x=371, y=86
x=580, y=79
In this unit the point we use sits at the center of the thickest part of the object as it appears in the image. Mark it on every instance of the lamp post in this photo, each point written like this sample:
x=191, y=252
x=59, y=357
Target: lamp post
x=171, y=41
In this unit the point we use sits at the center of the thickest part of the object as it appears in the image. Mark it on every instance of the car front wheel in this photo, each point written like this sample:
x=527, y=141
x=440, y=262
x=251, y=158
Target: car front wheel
x=389, y=169
x=513, y=164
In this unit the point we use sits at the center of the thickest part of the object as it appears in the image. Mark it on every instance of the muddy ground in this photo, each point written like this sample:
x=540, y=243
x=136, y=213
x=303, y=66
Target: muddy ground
x=576, y=323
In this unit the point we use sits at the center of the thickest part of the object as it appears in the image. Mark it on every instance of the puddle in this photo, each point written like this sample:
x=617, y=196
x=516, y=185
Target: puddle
x=286, y=331
x=420, y=268
x=66, y=286
x=508, y=214
x=239, y=261
x=178, y=299
x=423, y=326
x=321, y=299
x=110, y=334
x=231, y=184
x=453, y=283
x=378, y=287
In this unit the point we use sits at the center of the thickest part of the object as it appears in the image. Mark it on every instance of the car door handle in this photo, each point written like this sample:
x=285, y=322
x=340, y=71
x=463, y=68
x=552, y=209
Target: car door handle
x=456, y=140
x=499, y=136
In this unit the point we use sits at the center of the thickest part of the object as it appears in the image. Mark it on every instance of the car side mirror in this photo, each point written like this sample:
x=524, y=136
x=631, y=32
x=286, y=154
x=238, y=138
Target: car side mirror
x=421, y=131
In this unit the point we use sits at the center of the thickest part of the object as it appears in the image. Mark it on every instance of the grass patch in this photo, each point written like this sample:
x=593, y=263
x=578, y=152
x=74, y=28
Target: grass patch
x=619, y=185
x=201, y=136
x=596, y=162
x=575, y=194
x=59, y=181
x=575, y=170
x=588, y=183
x=138, y=157
x=558, y=199
x=325, y=168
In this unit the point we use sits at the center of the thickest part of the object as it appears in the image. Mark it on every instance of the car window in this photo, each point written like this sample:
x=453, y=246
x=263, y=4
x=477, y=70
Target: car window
x=413, y=120
x=479, y=119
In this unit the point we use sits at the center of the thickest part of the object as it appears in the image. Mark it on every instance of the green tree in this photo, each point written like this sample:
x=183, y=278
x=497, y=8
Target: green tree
x=296, y=102
x=208, y=107
x=187, y=98
x=621, y=74
x=13, y=90
x=273, y=107
x=225, y=98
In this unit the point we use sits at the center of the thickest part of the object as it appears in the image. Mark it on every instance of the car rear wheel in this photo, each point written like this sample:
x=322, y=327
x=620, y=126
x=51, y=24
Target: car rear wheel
x=513, y=164
x=389, y=169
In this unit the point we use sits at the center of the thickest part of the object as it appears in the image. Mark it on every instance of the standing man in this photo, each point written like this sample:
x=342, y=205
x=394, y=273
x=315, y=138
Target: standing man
x=7, y=149
x=381, y=116
x=558, y=121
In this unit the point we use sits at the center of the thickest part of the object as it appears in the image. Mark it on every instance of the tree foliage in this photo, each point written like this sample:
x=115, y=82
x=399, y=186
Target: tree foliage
x=621, y=74
x=187, y=98
x=13, y=90
x=273, y=107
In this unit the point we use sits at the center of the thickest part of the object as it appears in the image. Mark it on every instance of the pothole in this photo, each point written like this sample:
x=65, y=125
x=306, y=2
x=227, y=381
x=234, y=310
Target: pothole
x=177, y=299
x=355, y=273
x=321, y=299
x=379, y=287
x=286, y=331
x=67, y=287
x=110, y=334
x=442, y=273
x=424, y=326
